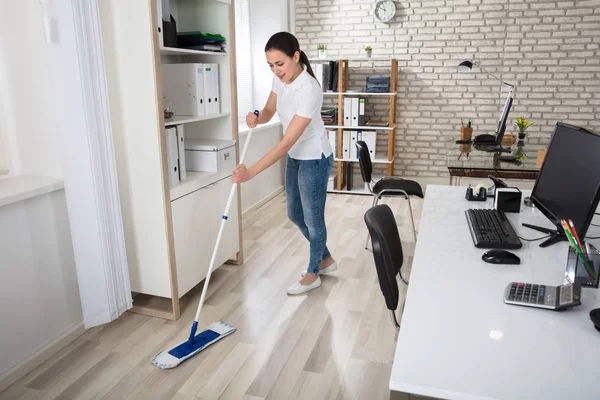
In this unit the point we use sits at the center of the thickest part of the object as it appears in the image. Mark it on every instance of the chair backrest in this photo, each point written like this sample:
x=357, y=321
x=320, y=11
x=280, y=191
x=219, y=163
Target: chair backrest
x=387, y=251
x=364, y=160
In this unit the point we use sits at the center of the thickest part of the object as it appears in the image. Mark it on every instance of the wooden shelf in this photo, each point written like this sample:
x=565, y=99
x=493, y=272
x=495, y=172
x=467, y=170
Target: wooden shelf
x=363, y=128
x=352, y=58
x=174, y=51
x=186, y=119
x=358, y=94
x=377, y=160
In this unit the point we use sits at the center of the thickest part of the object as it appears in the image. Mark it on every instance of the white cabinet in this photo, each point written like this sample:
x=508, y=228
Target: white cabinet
x=170, y=231
x=196, y=221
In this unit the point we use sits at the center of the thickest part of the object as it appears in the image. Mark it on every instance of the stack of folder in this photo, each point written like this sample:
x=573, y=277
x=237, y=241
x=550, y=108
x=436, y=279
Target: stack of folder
x=201, y=41
x=329, y=116
x=327, y=75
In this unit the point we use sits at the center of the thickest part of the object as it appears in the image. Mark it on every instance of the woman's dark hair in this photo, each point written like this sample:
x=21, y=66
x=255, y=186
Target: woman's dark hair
x=288, y=44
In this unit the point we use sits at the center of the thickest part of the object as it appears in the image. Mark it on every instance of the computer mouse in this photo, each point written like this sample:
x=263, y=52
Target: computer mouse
x=499, y=256
x=595, y=317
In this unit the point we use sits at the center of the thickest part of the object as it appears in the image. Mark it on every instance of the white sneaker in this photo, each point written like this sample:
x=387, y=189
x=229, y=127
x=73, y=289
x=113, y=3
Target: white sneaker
x=331, y=268
x=298, y=288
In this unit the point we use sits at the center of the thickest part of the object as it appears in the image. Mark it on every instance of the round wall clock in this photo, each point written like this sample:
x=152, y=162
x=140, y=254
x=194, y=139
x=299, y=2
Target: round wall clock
x=385, y=10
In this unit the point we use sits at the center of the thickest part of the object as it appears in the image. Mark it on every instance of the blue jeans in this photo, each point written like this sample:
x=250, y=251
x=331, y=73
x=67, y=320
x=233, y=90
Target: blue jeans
x=306, y=192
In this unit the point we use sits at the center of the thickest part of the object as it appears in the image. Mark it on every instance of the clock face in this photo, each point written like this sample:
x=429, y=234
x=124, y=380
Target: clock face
x=385, y=10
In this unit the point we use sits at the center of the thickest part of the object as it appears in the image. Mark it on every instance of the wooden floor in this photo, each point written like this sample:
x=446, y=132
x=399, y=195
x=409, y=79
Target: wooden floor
x=337, y=342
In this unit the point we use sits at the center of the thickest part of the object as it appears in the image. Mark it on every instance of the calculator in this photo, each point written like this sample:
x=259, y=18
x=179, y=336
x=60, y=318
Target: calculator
x=543, y=296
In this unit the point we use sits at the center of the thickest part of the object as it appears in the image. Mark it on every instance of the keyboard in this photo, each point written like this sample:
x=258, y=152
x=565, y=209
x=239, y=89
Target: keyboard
x=490, y=229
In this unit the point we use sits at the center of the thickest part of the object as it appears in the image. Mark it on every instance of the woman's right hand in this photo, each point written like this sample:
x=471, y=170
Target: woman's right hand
x=251, y=120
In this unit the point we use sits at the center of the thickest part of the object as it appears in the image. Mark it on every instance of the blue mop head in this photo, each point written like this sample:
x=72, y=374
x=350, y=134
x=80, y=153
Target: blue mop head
x=184, y=350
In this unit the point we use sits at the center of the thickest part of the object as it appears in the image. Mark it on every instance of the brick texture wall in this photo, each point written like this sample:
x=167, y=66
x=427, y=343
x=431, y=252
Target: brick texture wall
x=549, y=49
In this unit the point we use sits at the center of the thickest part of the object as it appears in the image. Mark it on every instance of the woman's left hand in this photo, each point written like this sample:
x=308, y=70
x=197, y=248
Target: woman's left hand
x=241, y=174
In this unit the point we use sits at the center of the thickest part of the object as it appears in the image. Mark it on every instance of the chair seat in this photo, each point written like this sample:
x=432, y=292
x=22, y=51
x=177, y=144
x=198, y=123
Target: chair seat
x=412, y=188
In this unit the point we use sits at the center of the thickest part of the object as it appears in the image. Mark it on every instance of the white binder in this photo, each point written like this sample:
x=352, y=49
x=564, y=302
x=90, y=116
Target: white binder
x=172, y=159
x=347, y=111
x=332, y=136
x=318, y=70
x=183, y=88
x=181, y=152
x=216, y=97
x=200, y=98
x=354, y=137
x=346, y=145
x=369, y=137
x=208, y=88
x=354, y=111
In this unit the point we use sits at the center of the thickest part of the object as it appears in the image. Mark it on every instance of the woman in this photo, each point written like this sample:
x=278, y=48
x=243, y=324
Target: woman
x=297, y=97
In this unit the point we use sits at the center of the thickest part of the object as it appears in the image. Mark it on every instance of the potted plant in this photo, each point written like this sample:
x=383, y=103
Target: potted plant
x=369, y=50
x=522, y=124
x=322, y=49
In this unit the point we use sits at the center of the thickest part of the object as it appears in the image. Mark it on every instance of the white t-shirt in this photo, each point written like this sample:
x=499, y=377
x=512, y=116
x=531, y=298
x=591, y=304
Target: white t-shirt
x=303, y=97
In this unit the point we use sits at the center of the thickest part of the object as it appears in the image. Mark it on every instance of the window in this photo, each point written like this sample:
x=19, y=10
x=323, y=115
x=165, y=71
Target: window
x=244, y=59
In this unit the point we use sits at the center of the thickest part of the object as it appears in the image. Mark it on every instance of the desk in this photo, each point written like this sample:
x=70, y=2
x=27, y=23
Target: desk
x=458, y=340
x=467, y=160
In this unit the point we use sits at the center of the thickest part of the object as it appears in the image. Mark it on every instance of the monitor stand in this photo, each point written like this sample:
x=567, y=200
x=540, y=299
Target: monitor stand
x=555, y=235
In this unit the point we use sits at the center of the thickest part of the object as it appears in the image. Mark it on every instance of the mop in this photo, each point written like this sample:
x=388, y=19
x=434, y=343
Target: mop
x=215, y=331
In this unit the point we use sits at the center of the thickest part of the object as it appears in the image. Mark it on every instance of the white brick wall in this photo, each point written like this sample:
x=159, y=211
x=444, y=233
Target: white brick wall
x=549, y=49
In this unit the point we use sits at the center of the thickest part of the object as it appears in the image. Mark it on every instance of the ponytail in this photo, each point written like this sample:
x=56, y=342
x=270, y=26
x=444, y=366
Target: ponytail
x=304, y=60
x=288, y=44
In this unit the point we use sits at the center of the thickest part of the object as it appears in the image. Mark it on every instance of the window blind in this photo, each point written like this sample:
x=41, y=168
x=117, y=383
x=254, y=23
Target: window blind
x=244, y=59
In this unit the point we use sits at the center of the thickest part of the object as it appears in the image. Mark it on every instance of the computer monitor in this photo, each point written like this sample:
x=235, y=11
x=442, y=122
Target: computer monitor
x=568, y=184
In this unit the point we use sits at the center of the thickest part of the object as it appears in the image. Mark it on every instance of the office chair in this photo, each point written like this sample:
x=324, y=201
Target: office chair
x=386, y=186
x=387, y=252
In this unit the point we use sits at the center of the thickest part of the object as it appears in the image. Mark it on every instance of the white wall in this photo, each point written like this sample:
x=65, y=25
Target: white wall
x=267, y=17
x=30, y=125
x=269, y=181
x=39, y=295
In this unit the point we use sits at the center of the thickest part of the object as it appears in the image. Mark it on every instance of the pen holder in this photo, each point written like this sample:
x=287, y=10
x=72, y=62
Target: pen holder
x=465, y=133
x=576, y=271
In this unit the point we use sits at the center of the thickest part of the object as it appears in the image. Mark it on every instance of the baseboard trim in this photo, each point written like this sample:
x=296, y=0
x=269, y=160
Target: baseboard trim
x=30, y=363
x=265, y=200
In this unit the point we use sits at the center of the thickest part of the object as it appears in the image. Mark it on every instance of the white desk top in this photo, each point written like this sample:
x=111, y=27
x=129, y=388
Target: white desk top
x=18, y=188
x=458, y=340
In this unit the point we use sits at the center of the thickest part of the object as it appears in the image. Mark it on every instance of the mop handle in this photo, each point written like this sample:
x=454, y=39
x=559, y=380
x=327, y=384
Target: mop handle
x=223, y=220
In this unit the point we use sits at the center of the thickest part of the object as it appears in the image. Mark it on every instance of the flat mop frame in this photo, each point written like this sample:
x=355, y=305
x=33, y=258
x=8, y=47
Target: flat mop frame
x=217, y=330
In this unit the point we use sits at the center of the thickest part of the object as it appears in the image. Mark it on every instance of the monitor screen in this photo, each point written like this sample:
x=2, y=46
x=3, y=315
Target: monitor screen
x=568, y=184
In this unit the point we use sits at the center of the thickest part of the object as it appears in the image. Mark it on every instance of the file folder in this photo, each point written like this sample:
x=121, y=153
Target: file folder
x=347, y=111
x=354, y=137
x=361, y=112
x=208, y=88
x=332, y=136
x=370, y=139
x=181, y=151
x=183, y=88
x=354, y=111
x=346, y=145
x=216, y=105
x=172, y=159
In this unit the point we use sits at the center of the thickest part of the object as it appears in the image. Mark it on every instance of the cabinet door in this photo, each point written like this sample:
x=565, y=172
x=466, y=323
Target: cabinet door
x=230, y=241
x=193, y=237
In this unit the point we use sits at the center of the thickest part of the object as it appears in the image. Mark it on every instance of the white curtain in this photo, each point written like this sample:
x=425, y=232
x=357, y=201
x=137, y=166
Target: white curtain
x=75, y=53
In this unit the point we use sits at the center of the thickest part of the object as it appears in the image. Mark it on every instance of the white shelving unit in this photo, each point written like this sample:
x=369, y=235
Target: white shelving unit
x=173, y=51
x=358, y=94
x=170, y=229
x=362, y=128
x=187, y=119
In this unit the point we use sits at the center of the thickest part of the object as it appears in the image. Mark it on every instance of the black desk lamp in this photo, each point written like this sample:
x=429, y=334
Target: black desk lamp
x=467, y=66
